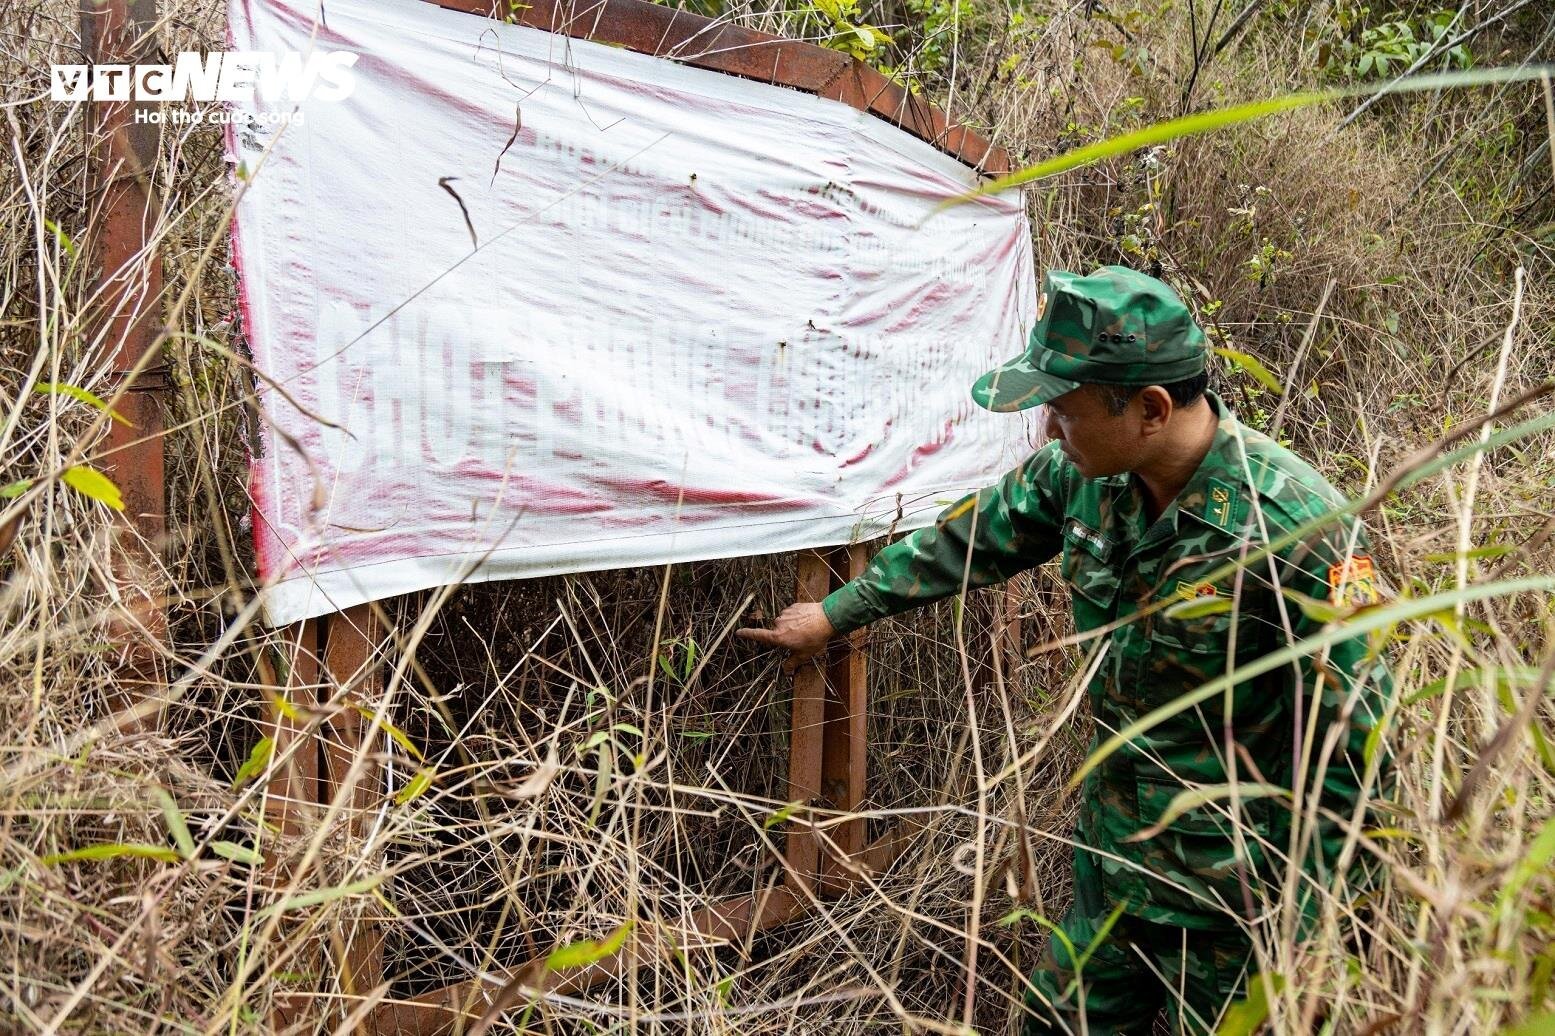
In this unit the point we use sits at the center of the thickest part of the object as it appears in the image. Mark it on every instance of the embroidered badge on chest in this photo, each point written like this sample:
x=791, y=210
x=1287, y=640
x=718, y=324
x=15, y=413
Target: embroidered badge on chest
x=1352, y=583
x=1191, y=591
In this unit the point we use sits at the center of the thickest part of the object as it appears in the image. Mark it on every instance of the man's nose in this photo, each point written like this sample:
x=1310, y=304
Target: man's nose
x=1049, y=424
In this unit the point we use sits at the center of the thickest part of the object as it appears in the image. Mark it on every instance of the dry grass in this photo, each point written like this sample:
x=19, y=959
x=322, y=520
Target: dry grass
x=1417, y=214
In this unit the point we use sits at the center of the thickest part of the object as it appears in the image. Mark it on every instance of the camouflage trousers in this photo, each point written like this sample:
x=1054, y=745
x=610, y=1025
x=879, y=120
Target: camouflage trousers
x=1136, y=971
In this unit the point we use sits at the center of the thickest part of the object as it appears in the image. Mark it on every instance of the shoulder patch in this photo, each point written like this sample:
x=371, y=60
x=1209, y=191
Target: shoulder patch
x=1223, y=508
x=1352, y=582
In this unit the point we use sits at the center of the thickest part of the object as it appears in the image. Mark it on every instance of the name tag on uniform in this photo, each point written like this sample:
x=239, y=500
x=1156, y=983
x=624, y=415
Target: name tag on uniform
x=1089, y=538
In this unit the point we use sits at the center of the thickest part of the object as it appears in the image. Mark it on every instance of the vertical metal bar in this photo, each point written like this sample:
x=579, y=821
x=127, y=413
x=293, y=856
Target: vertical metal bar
x=1010, y=633
x=806, y=728
x=293, y=793
x=845, y=751
x=352, y=675
x=128, y=208
x=291, y=800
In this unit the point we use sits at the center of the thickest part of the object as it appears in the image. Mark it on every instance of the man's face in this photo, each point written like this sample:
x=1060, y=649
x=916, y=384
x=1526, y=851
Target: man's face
x=1095, y=441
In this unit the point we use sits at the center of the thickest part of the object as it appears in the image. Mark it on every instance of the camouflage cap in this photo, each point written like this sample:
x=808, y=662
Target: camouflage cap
x=1116, y=326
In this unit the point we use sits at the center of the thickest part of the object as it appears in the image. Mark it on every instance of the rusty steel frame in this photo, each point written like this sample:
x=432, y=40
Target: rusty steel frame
x=721, y=46
x=328, y=662
x=124, y=209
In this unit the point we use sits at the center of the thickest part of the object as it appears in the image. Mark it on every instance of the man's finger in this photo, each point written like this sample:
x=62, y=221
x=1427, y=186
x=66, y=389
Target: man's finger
x=756, y=633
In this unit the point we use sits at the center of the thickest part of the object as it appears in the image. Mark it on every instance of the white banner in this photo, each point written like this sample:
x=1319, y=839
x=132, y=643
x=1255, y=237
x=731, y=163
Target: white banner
x=681, y=315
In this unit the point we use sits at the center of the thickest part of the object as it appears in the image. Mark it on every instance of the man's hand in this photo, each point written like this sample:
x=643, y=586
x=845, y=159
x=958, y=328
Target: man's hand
x=802, y=628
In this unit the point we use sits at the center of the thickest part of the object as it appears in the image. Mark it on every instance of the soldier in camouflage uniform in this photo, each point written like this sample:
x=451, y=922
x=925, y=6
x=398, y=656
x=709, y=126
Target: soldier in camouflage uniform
x=1156, y=500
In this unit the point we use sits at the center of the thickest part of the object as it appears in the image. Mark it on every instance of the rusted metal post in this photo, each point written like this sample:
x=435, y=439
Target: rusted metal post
x=291, y=799
x=352, y=675
x=126, y=208
x=845, y=748
x=806, y=729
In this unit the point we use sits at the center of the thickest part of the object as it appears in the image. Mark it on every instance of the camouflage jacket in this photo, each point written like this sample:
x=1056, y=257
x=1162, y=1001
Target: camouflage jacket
x=1247, y=492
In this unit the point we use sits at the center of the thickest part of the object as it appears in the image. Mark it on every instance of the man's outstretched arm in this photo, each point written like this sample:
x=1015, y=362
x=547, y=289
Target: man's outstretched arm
x=980, y=540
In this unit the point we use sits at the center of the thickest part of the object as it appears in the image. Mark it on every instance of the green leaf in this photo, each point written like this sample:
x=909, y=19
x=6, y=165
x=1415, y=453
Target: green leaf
x=587, y=951
x=318, y=897
x=780, y=816
x=175, y=823
x=1199, y=607
x=237, y=853
x=416, y=785
x=1314, y=608
x=59, y=388
x=91, y=483
x=254, y=765
x=628, y=728
x=110, y=851
x=286, y=708
x=1361, y=623
x=1193, y=798
x=60, y=236
x=1536, y=861
x=1503, y=676
x=1207, y=122
x=12, y=490
x=1491, y=550
x=696, y=735
x=1252, y=365
x=1245, y=1017
x=400, y=737
x=1539, y=1025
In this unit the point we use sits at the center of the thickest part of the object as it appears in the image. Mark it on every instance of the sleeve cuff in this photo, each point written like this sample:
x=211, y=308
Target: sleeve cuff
x=848, y=608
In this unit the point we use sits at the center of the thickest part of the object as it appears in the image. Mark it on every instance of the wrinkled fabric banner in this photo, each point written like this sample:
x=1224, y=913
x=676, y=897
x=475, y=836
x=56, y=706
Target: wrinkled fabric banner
x=526, y=305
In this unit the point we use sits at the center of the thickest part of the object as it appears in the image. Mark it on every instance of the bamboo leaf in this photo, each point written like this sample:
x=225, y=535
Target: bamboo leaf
x=1199, y=607
x=285, y=707
x=1490, y=550
x=237, y=853
x=1318, y=611
x=780, y=816
x=61, y=237
x=1193, y=798
x=400, y=737
x=1221, y=118
x=1246, y=1017
x=602, y=777
x=587, y=951
x=1539, y=1025
x=93, y=484
x=258, y=759
x=175, y=823
x=1362, y=623
x=1504, y=676
x=318, y=897
x=92, y=399
x=1536, y=861
x=416, y=786
x=111, y=851
x=1252, y=365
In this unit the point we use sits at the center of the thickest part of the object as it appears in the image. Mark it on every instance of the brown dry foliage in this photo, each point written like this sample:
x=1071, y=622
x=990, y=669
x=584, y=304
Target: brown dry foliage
x=1418, y=213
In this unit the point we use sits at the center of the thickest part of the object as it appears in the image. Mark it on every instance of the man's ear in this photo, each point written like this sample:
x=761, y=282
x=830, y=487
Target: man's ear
x=1155, y=408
